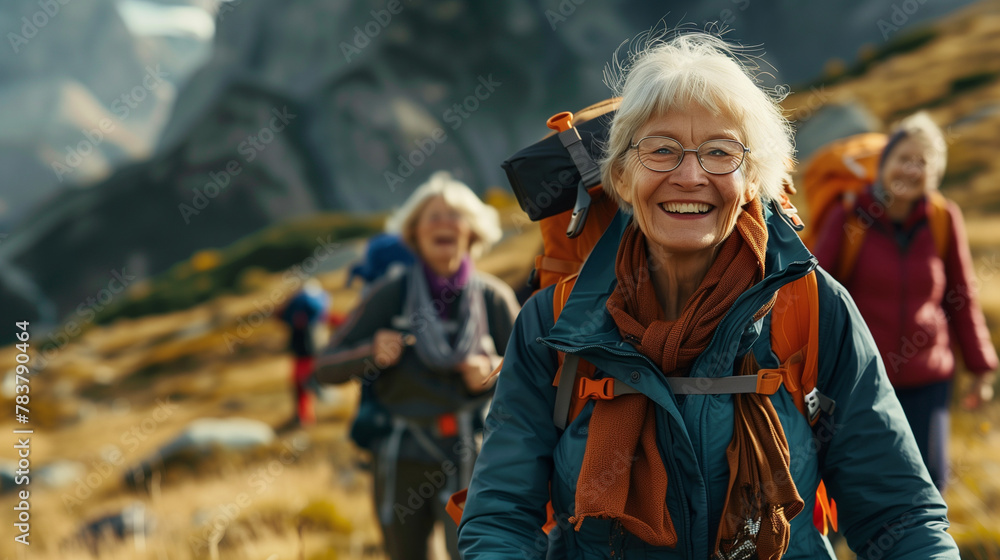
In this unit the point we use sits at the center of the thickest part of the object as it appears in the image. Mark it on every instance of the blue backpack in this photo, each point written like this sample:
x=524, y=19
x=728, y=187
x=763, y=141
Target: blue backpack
x=384, y=251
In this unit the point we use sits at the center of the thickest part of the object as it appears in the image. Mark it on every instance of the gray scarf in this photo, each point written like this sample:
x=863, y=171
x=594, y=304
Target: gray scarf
x=433, y=333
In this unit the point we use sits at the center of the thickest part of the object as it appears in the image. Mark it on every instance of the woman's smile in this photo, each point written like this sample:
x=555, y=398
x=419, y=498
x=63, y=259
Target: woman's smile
x=693, y=210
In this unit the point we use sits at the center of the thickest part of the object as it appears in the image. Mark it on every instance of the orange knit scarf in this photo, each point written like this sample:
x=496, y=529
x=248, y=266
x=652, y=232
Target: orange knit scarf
x=623, y=476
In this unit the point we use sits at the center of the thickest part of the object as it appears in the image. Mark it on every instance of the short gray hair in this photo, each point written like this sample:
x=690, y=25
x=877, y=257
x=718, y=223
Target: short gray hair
x=483, y=218
x=922, y=127
x=703, y=69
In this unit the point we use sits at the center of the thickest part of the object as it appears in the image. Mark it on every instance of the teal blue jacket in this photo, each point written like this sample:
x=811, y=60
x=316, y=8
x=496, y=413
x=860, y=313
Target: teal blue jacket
x=864, y=452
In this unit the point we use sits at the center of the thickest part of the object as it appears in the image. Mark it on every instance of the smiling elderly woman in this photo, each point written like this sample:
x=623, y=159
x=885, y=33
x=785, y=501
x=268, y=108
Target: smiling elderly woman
x=696, y=155
x=423, y=344
x=920, y=301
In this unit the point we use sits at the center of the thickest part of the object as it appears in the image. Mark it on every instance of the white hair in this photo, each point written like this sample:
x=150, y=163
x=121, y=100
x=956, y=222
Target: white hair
x=663, y=73
x=483, y=218
x=922, y=128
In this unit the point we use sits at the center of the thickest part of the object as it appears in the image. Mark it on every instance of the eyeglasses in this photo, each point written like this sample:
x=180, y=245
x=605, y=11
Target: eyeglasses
x=718, y=157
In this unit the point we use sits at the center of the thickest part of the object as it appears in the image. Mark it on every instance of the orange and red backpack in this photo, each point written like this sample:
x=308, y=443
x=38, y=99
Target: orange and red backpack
x=557, y=183
x=836, y=174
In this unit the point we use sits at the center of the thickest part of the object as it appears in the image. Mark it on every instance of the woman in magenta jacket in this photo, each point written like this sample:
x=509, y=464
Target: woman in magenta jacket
x=917, y=303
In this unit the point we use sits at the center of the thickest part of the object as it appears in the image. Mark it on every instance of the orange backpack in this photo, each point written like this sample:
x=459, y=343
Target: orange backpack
x=836, y=174
x=566, y=244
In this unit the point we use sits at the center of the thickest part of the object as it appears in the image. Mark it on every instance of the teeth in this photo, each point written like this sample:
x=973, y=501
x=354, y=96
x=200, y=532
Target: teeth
x=686, y=207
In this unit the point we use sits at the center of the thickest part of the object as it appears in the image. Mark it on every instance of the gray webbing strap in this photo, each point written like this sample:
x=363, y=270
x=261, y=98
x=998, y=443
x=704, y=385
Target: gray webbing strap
x=564, y=391
x=590, y=172
x=713, y=385
x=387, y=463
x=701, y=385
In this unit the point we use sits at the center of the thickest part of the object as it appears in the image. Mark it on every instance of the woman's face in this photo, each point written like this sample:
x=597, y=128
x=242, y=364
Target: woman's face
x=905, y=173
x=443, y=234
x=686, y=210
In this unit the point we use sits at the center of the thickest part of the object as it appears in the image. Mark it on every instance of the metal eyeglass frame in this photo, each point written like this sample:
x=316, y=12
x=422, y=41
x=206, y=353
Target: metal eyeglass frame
x=684, y=152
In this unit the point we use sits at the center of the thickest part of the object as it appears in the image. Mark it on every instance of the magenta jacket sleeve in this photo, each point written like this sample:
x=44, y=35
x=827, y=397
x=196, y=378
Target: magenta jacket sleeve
x=830, y=237
x=961, y=303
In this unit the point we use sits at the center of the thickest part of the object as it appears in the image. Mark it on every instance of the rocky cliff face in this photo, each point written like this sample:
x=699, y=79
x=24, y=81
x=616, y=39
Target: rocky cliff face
x=87, y=87
x=312, y=104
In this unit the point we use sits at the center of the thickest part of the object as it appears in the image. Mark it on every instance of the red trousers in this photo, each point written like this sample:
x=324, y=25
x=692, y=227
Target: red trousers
x=302, y=368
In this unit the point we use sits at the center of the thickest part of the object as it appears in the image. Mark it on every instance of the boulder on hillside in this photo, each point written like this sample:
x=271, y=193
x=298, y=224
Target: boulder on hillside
x=830, y=123
x=198, y=442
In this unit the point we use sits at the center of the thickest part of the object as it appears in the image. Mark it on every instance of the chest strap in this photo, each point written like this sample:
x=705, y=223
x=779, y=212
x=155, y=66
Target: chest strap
x=766, y=382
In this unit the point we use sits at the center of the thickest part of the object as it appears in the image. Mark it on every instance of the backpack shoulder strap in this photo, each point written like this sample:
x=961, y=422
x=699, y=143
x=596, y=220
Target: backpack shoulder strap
x=851, y=239
x=940, y=222
x=569, y=403
x=560, y=295
x=795, y=341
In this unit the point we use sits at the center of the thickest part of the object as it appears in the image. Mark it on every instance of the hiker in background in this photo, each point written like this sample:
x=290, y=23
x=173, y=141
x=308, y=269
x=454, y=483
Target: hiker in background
x=917, y=298
x=426, y=341
x=307, y=315
x=674, y=304
x=386, y=256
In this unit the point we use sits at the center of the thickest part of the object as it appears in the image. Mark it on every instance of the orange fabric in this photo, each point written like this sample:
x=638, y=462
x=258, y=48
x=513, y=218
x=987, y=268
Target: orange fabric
x=622, y=434
x=760, y=486
x=846, y=165
x=795, y=339
x=940, y=222
x=674, y=345
x=825, y=510
x=552, y=264
x=456, y=505
x=559, y=247
x=795, y=336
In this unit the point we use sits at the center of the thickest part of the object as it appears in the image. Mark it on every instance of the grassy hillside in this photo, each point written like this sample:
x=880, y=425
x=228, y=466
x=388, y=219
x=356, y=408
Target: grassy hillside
x=203, y=339
x=220, y=358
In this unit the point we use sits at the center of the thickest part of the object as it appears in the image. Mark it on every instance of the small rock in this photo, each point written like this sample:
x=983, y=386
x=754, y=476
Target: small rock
x=59, y=474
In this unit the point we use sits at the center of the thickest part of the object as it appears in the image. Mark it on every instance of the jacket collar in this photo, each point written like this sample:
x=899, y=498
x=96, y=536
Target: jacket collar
x=871, y=207
x=585, y=322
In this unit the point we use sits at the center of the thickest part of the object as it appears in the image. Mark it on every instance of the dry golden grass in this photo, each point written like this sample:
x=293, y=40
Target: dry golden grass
x=929, y=78
x=102, y=391
x=107, y=381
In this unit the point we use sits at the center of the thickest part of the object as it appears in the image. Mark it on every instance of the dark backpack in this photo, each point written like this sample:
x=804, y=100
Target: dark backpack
x=306, y=314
